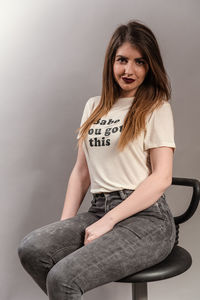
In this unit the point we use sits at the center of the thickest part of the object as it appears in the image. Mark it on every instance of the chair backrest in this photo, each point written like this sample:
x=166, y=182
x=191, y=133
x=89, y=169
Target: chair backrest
x=195, y=184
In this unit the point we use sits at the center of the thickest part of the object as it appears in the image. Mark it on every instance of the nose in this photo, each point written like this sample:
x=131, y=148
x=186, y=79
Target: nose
x=129, y=68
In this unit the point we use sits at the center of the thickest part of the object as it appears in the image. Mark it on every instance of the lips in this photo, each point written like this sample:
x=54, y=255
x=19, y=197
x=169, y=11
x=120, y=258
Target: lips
x=128, y=80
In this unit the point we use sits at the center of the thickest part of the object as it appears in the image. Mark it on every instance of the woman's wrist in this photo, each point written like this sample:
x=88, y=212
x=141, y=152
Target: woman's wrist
x=108, y=218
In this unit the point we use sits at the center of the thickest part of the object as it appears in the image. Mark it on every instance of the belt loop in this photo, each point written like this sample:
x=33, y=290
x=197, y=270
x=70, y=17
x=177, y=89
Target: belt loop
x=122, y=194
x=163, y=196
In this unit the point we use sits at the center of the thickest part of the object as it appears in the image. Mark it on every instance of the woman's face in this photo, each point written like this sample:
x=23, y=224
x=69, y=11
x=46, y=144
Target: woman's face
x=129, y=69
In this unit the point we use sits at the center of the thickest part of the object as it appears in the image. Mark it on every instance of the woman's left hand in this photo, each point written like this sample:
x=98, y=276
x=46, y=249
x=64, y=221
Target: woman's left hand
x=97, y=229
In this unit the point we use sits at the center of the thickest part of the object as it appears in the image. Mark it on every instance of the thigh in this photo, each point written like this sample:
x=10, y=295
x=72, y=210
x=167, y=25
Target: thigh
x=59, y=238
x=114, y=255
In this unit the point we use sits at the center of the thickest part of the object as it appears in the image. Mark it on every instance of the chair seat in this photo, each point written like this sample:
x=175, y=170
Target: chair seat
x=177, y=262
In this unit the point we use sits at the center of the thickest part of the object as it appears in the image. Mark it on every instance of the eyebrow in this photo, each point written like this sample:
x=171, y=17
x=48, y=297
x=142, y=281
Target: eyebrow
x=127, y=57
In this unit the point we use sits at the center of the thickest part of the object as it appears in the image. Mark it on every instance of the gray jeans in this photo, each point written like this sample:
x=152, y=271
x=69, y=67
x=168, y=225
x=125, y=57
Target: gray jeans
x=58, y=261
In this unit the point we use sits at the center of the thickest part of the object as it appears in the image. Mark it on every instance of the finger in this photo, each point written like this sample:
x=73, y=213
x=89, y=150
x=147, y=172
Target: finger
x=85, y=238
x=88, y=239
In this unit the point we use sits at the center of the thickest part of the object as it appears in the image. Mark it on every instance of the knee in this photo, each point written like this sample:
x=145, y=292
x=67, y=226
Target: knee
x=28, y=249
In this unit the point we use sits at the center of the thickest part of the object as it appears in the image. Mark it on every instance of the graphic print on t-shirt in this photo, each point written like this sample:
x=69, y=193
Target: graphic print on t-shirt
x=99, y=135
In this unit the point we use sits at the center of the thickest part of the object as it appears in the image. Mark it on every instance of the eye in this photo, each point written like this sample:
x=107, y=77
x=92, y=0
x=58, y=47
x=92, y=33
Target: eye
x=140, y=62
x=121, y=59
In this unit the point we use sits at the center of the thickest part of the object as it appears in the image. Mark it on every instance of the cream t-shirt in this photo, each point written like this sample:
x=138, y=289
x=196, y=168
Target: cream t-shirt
x=111, y=170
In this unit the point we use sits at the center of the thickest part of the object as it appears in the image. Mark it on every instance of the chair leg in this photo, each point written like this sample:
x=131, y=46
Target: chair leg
x=139, y=291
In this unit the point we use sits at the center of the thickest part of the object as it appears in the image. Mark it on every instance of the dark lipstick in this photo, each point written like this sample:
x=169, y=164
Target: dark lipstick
x=128, y=80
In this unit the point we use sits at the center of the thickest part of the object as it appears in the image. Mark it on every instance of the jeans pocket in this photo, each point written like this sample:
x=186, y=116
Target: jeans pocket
x=153, y=211
x=141, y=226
x=134, y=231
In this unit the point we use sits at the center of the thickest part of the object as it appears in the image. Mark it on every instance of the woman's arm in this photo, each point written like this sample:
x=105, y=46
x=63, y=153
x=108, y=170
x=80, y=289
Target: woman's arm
x=149, y=190
x=78, y=185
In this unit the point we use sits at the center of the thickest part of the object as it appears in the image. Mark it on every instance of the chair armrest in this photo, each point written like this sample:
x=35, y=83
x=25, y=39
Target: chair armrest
x=194, y=201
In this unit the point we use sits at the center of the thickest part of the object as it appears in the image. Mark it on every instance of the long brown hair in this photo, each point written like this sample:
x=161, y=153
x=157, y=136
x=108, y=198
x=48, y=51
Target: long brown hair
x=149, y=95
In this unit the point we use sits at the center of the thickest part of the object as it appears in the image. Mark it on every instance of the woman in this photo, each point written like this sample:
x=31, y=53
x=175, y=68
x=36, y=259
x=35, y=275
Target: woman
x=125, y=151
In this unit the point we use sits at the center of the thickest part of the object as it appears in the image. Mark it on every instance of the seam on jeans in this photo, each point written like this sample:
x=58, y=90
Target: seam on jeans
x=173, y=226
x=124, y=226
x=79, y=277
x=57, y=251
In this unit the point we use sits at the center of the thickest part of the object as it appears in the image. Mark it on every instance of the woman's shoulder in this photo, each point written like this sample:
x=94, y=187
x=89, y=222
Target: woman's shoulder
x=162, y=110
x=93, y=102
x=164, y=105
x=94, y=99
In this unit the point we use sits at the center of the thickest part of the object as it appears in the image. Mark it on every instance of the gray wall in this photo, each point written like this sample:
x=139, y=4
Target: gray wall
x=51, y=61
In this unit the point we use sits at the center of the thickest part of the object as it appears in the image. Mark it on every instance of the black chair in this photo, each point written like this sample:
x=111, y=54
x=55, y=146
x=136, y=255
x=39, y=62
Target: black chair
x=178, y=261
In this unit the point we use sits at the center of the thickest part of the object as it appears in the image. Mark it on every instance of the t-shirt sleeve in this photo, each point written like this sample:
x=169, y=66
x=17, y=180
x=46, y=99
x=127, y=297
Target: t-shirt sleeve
x=160, y=128
x=85, y=115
